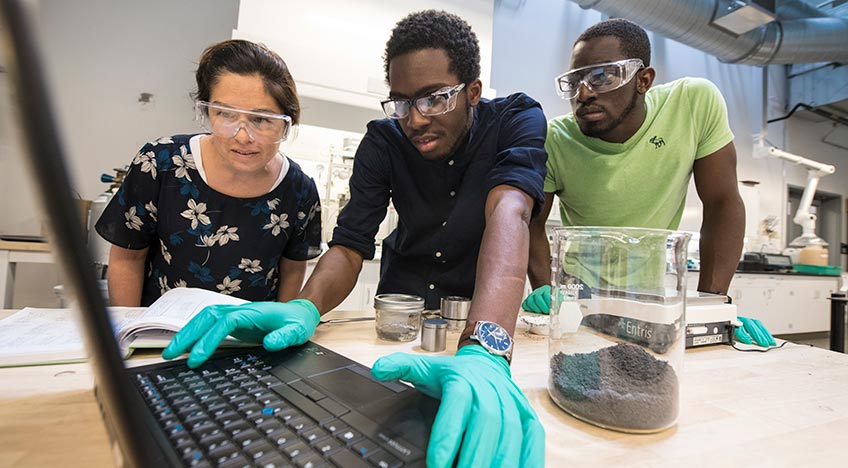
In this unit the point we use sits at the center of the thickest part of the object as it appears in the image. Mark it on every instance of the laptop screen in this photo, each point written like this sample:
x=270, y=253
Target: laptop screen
x=46, y=165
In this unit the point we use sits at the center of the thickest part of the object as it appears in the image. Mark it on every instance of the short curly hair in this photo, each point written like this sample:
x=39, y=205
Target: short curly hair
x=432, y=29
x=633, y=39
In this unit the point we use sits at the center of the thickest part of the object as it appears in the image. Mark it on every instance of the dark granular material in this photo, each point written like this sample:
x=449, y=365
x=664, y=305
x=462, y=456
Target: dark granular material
x=620, y=387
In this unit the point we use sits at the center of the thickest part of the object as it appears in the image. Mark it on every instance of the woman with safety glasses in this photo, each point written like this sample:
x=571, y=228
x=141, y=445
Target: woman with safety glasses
x=224, y=210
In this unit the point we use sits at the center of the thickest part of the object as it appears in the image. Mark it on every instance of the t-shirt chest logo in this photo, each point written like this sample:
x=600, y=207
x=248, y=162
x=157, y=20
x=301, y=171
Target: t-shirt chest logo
x=657, y=141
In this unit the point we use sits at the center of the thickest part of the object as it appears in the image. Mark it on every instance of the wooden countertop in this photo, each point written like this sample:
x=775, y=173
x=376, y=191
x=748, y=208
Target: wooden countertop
x=25, y=246
x=787, y=407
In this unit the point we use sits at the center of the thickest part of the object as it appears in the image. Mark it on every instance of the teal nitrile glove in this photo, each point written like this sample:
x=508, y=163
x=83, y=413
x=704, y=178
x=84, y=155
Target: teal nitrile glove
x=276, y=325
x=481, y=407
x=752, y=330
x=538, y=301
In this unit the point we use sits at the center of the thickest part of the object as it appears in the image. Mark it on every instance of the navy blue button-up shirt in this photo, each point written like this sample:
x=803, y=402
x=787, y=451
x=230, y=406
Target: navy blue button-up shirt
x=440, y=204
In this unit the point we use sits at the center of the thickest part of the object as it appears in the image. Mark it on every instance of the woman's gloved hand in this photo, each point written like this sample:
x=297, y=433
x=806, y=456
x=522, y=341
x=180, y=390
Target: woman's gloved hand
x=538, y=301
x=276, y=325
x=752, y=330
x=481, y=407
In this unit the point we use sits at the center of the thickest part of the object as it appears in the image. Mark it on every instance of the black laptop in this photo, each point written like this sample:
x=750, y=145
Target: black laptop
x=305, y=406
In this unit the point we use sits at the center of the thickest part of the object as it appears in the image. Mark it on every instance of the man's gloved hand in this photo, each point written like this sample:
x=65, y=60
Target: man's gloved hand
x=276, y=325
x=752, y=330
x=538, y=301
x=481, y=406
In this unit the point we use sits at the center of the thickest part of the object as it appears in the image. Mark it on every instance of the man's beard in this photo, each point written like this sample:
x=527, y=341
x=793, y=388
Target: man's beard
x=597, y=129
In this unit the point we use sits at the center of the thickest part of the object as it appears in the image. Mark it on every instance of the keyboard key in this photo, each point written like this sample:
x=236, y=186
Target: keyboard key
x=300, y=424
x=335, y=425
x=258, y=448
x=234, y=427
x=288, y=414
x=270, y=426
x=296, y=449
x=187, y=407
x=223, y=453
x=282, y=437
x=247, y=437
x=348, y=459
x=211, y=431
x=237, y=462
x=348, y=436
x=273, y=460
x=314, y=434
x=214, y=441
x=248, y=408
x=365, y=447
x=311, y=460
x=198, y=422
x=383, y=459
x=326, y=445
x=228, y=417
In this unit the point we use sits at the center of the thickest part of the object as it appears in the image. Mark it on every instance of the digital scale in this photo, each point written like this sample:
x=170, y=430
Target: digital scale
x=709, y=319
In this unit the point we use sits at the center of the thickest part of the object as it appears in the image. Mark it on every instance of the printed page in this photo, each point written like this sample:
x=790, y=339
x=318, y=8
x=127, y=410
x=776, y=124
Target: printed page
x=168, y=315
x=49, y=336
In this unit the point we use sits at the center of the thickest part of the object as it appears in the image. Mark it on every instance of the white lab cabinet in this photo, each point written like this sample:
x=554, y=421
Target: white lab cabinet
x=786, y=304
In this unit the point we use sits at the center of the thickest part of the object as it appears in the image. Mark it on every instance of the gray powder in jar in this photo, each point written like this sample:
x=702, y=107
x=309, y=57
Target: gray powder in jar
x=619, y=387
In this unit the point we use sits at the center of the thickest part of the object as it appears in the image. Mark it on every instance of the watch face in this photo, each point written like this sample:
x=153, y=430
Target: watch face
x=494, y=336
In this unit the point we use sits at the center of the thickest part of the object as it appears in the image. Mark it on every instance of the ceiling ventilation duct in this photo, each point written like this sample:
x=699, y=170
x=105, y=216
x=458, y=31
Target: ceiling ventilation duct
x=738, y=17
x=691, y=22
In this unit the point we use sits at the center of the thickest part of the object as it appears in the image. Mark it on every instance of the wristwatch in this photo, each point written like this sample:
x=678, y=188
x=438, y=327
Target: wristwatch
x=493, y=338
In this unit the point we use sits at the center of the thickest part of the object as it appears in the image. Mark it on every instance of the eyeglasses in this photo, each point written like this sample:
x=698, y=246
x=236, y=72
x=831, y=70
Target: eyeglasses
x=599, y=78
x=438, y=103
x=225, y=121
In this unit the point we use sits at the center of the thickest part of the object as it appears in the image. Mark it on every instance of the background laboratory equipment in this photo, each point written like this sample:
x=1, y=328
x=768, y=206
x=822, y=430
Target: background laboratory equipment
x=617, y=325
x=98, y=246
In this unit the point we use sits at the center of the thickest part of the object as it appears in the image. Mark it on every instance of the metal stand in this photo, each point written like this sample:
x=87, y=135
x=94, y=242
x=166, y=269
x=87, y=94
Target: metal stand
x=838, y=301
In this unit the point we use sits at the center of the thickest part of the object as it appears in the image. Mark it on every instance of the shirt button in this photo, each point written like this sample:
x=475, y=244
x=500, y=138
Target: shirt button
x=438, y=254
x=432, y=286
x=450, y=163
x=453, y=193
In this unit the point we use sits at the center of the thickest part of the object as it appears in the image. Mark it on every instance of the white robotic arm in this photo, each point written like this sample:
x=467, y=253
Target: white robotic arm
x=815, y=171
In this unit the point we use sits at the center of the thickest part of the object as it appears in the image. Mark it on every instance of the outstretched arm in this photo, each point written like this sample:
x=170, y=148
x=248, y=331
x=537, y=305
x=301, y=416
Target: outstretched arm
x=723, y=227
x=502, y=263
x=539, y=266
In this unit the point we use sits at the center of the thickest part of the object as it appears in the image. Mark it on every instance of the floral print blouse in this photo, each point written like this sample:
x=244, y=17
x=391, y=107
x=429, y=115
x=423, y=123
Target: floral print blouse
x=198, y=237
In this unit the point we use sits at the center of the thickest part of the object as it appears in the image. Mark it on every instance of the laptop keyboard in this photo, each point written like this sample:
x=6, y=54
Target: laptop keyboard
x=232, y=412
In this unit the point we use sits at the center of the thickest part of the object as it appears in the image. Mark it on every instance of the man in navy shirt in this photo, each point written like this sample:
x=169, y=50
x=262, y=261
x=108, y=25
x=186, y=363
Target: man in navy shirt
x=466, y=176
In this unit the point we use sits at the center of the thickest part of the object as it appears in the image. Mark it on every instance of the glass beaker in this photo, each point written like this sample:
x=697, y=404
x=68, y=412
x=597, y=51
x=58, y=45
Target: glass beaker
x=617, y=332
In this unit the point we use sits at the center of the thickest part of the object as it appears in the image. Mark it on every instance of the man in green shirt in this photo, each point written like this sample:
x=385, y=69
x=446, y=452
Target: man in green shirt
x=624, y=157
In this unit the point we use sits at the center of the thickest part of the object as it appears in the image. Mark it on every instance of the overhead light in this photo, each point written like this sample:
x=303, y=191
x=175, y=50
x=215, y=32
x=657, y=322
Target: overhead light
x=738, y=16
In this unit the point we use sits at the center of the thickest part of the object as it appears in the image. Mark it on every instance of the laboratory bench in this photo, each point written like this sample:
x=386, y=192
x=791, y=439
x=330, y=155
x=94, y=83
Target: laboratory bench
x=785, y=407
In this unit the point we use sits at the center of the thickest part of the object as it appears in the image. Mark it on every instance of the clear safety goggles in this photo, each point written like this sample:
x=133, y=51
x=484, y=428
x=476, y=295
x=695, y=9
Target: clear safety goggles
x=225, y=122
x=599, y=78
x=438, y=103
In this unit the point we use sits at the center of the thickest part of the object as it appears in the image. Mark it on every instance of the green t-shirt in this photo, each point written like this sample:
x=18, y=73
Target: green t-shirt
x=643, y=181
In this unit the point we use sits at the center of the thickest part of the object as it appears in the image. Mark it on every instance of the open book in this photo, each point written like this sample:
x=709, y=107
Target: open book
x=51, y=336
